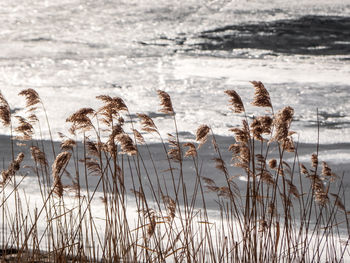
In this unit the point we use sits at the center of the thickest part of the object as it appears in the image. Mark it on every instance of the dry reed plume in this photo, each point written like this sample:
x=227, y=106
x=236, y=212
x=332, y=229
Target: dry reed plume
x=12, y=169
x=261, y=95
x=5, y=112
x=60, y=163
x=165, y=102
x=236, y=101
x=202, y=134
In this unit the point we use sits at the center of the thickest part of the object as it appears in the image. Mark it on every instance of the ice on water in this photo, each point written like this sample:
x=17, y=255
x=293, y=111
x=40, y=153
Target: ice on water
x=72, y=51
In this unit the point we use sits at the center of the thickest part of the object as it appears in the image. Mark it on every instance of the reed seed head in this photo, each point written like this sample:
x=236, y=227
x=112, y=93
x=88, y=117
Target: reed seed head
x=235, y=148
x=12, y=169
x=60, y=162
x=338, y=202
x=282, y=123
x=5, y=111
x=147, y=123
x=261, y=95
x=236, y=101
x=32, y=97
x=80, y=119
x=202, y=134
x=327, y=171
x=111, y=108
x=273, y=163
x=191, y=150
x=38, y=156
x=266, y=177
x=68, y=144
x=165, y=102
x=314, y=160
x=126, y=144
x=220, y=165
x=170, y=206
x=24, y=128
x=138, y=136
x=303, y=169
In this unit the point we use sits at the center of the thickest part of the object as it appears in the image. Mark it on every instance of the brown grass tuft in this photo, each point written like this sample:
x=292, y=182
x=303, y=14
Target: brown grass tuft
x=24, y=128
x=138, y=136
x=5, y=111
x=32, y=97
x=241, y=134
x=111, y=108
x=165, y=102
x=60, y=163
x=12, y=169
x=327, y=171
x=68, y=144
x=220, y=165
x=191, y=150
x=38, y=155
x=262, y=97
x=266, y=177
x=174, y=152
x=80, y=119
x=170, y=206
x=338, y=202
x=147, y=123
x=236, y=101
x=126, y=144
x=282, y=123
x=273, y=163
x=202, y=134
x=314, y=160
x=304, y=169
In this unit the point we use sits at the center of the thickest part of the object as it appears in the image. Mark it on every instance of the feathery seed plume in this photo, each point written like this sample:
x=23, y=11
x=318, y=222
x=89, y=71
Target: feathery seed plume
x=234, y=148
x=273, y=163
x=338, y=202
x=67, y=144
x=5, y=112
x=175, y=151
x=314, y=160
x=202, y=134
x=127, y=144
x=111, y=108
x=303, y=169
x=38, y=155
x=165, y=102
x=262, y=96
x=327, y=171
x=191, y=150
x=282, y=123
x=170, y=206
x=32, y=97
x=80, y=119
x=236, y=101
x=138, y=136
x=60, y=163
x=12, y=169
x=24, y=128
x=147, y=123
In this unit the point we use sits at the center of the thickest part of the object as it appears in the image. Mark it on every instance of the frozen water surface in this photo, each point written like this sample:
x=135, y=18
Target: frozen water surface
x=72, y=51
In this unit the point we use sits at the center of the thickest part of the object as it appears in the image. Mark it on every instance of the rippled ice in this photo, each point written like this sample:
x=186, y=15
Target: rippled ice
x=72, y=51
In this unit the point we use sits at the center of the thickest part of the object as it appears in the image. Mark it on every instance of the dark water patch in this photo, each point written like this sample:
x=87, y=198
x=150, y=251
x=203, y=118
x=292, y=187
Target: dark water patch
x=335, y=125
x=66, y=42
x=307, y=35
x=325, y=115
x=38, y=39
